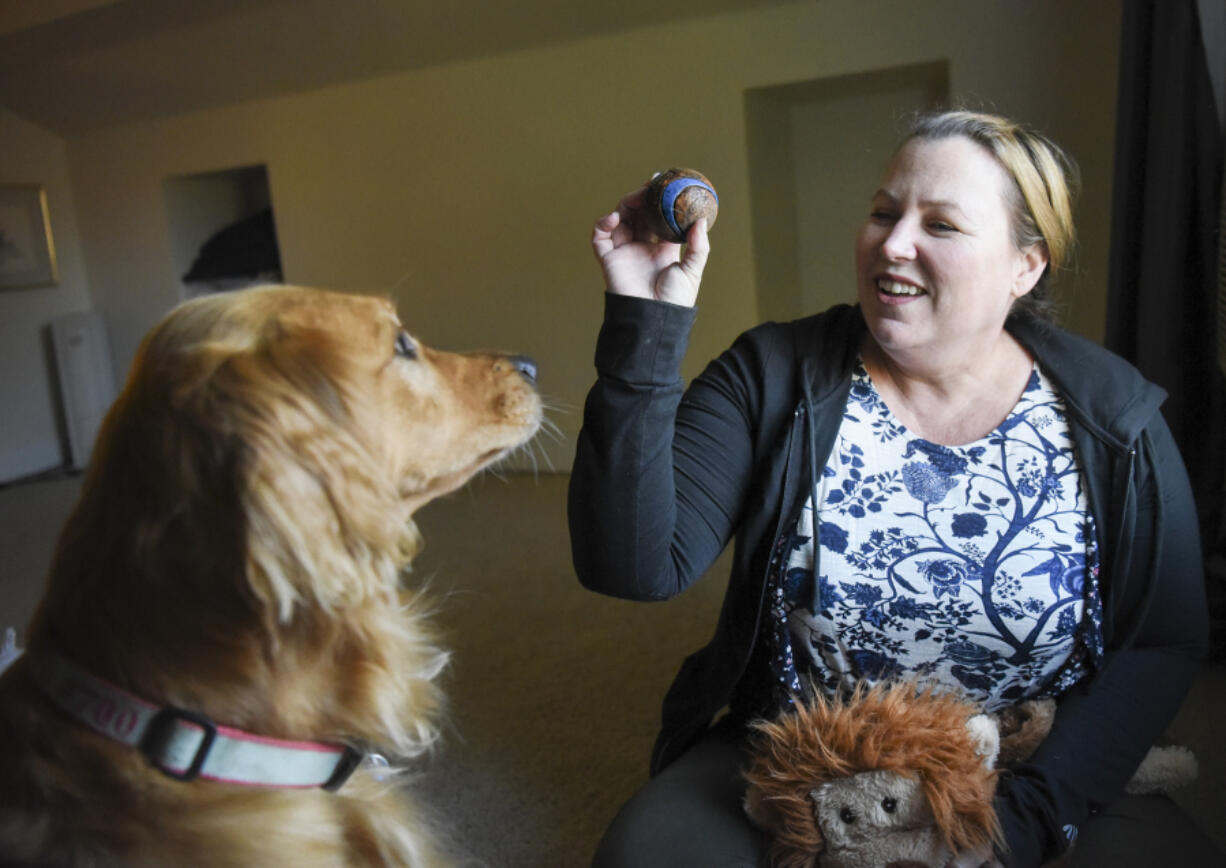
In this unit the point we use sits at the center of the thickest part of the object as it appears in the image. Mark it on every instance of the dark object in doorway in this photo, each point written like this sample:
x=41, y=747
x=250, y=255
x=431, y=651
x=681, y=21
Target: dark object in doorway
x=244, y=249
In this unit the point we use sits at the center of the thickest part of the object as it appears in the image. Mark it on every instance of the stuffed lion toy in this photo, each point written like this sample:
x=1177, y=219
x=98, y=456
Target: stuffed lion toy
x=892, y=776
x=900, y=777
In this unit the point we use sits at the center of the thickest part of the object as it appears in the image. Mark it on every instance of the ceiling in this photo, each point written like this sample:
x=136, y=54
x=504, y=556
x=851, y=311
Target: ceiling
x=77, y=65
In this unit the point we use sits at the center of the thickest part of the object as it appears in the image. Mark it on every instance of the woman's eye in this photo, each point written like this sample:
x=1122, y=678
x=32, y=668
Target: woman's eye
x=880, y=216
x=406, y=348
x=942, y=226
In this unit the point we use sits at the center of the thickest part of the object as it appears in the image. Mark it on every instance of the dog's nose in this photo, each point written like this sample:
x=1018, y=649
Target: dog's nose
x=525, y=366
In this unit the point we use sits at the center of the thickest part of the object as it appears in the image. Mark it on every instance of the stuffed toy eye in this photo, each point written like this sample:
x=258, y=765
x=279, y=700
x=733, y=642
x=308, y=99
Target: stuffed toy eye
x=847, y=815
x=889, y=804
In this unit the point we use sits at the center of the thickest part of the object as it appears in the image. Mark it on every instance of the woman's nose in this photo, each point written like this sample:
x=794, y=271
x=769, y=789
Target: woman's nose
x=899, y=242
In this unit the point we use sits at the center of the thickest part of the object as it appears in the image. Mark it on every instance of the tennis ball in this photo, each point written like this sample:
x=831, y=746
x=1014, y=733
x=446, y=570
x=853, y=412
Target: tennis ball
x=676, y=199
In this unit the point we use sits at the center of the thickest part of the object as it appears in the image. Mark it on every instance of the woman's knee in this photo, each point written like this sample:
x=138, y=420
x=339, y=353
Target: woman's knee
x=1143, y=831
x=688, y=815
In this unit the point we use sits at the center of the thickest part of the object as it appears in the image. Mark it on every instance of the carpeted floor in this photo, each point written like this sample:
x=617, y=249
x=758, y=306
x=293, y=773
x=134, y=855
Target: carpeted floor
x=555, y=691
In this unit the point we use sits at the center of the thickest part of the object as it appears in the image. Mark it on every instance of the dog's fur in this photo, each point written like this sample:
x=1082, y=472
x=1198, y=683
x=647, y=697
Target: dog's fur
x=237, y=550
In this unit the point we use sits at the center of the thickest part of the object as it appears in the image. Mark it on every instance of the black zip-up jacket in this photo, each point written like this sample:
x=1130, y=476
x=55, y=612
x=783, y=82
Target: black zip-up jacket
x=664, y=477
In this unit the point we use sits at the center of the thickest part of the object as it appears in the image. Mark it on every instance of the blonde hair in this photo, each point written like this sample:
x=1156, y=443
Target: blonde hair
x=1045, y=184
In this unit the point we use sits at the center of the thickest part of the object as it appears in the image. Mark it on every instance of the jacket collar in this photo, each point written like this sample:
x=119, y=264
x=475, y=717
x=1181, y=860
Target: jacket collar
x=1108, y=395
x=828, y=345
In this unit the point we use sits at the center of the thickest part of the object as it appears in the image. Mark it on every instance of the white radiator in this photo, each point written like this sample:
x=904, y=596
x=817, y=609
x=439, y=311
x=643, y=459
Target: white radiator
x=87, y=384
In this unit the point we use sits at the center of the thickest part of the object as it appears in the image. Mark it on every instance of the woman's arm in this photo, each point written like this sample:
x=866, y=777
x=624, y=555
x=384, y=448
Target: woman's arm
x=659, y=480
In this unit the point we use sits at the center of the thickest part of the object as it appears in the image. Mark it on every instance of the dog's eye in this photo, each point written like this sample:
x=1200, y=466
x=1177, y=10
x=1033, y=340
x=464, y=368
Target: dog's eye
x=889, y=805
x=847, y=815
x=406, y=347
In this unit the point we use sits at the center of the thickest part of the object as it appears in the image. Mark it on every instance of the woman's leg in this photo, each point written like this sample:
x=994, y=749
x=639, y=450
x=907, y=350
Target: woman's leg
x=688, y=816
x=1141, y=832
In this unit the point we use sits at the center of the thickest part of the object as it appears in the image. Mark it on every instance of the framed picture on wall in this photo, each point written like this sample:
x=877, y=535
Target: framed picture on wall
x=27, y=252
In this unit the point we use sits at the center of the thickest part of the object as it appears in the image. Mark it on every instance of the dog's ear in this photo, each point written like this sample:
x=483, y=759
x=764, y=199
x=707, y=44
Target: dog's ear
x=324, y=522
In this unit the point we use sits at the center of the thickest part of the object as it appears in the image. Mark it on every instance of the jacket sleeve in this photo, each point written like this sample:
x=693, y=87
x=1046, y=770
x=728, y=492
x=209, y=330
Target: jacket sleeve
x=659, y=476
x=1104, y=728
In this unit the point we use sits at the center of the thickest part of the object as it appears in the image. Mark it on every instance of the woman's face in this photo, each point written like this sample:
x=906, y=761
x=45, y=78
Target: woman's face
x=936, y=263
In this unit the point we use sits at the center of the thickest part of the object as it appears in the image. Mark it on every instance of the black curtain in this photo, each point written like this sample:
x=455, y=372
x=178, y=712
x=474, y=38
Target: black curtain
x=1162, y=302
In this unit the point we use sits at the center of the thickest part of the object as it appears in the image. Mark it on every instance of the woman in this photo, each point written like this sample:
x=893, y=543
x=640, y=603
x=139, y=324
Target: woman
x=935, y=483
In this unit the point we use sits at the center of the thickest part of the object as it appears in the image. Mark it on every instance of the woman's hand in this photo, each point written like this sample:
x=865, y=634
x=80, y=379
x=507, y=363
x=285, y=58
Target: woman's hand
x=635, y=262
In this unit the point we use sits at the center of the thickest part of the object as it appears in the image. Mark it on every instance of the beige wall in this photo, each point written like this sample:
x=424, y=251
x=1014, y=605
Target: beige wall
x=29, y=441
x=468, y=191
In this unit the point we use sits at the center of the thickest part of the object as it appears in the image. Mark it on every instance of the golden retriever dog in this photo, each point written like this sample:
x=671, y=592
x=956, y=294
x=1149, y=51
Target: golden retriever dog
x=224, y=634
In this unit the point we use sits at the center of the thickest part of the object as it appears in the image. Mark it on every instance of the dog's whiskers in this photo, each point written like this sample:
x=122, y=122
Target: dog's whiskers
x=404, y=278
x=536, y=446
x=550, y=405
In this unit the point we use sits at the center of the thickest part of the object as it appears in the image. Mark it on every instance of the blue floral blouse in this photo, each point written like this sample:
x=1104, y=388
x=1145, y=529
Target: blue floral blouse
x=973, y=567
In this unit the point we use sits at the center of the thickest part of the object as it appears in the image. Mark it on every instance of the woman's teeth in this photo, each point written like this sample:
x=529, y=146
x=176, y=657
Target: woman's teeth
x=891, y=287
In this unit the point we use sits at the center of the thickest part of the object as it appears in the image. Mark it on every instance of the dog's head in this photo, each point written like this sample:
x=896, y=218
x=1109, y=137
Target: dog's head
x=252, y=487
